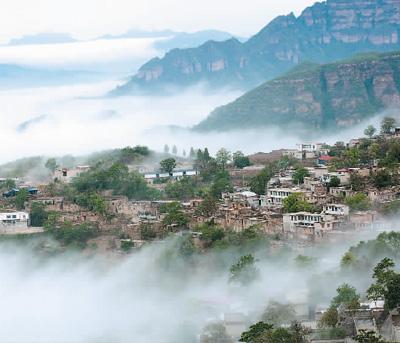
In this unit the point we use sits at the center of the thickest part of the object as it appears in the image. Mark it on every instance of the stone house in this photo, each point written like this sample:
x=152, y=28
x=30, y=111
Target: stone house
x=390, y=329
x=67, y=175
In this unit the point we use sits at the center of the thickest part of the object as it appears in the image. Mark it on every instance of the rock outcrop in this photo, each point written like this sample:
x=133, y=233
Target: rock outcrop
x=324, y=32
x=316, y=96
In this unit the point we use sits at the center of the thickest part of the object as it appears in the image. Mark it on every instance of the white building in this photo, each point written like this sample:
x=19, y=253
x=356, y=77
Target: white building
x=336, y=209
x=177, y=174
x=275, y=196
x=14, y=220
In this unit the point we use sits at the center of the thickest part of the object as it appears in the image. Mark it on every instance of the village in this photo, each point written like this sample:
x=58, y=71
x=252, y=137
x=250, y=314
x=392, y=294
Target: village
x=299, y=197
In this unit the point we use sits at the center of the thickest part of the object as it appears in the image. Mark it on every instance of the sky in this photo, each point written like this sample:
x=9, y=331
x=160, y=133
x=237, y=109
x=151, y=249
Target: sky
x=86, y=19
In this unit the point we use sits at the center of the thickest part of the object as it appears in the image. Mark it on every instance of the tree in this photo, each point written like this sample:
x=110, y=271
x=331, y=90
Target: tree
x=358, y=202
x=356, y=182
x=387, y=125
x=255, y=331
x=51, y=165
x=368, y=337
x=207, y=207
x=215, y=333
x=240, y=160
x=221, y=184
x=174, y=150
x=299, y=175
x=38, y=214
x=8, y=184
x=334, y=181
x=183, y=189
x=296, y=202
x=329, y=319
x=147, y=232
x=210, y=234
x=382, y=178
x=244, y=271
x=174, y=215
x=206, y=155
x=303, y=261
x=370, y=131
x=192, y=154
x=346, y=295
x=348, y=260
x=168, y=165
x=258, y=184
x=222, y=158
x=166, y=149
x=279, y=314
x=387, y=284
x=266, y=333
x=184, y=153
x=21, y=198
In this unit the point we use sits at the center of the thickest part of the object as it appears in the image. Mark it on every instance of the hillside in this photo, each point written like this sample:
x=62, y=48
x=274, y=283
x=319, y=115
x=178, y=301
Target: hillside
x=323, y=33
x=316, y=96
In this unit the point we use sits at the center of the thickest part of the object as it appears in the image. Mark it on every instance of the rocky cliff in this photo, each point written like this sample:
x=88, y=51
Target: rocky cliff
x=316, y=96
x=324, y=32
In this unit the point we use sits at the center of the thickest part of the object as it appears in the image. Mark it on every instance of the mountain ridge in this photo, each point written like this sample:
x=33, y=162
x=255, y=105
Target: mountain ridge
x=323, y=32
x=316, y=97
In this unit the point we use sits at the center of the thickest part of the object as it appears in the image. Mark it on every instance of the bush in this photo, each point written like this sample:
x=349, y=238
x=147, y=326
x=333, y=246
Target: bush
x=359, y=202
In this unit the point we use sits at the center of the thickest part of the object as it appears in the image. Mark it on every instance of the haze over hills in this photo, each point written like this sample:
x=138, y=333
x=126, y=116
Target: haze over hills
x=315, y=96
x=324, y=32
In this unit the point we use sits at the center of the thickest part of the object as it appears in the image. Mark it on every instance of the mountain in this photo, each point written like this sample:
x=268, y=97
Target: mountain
x=184, y=40
x=43, y=38
x=324, y=32
x=314, y=96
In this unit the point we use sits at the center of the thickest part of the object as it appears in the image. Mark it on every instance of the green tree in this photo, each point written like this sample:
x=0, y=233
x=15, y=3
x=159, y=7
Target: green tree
x=207, y=207
x=304, y=261
x=329, y=319
x=168, y=165
x=222, y=183
x=370, y=131
x=387, y=284
x=334, y=181
x=192, y=154
x=356, y=182
x=38, y=214
x=299, y=175
x=147, y=233
x=174, y=215
x=166, y=149
x=296, y=202
x=184, y=189
x=215, y=333
x=258, y=184
x=244, y=271
x=8, y=184
x=346, y=295
x=358, y=202
x=348, y=260
x=255, y=331
x=21, y=198
x=382, y=178
x=240, y=160
x=51, y=165
x=387, y=125
x=365, y=336
x=222, y=158
x=210, y=234
x=279, y=314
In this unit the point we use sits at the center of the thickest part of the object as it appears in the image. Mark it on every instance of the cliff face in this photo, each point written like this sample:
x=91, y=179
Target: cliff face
x=316, y=96
x=324, y=32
